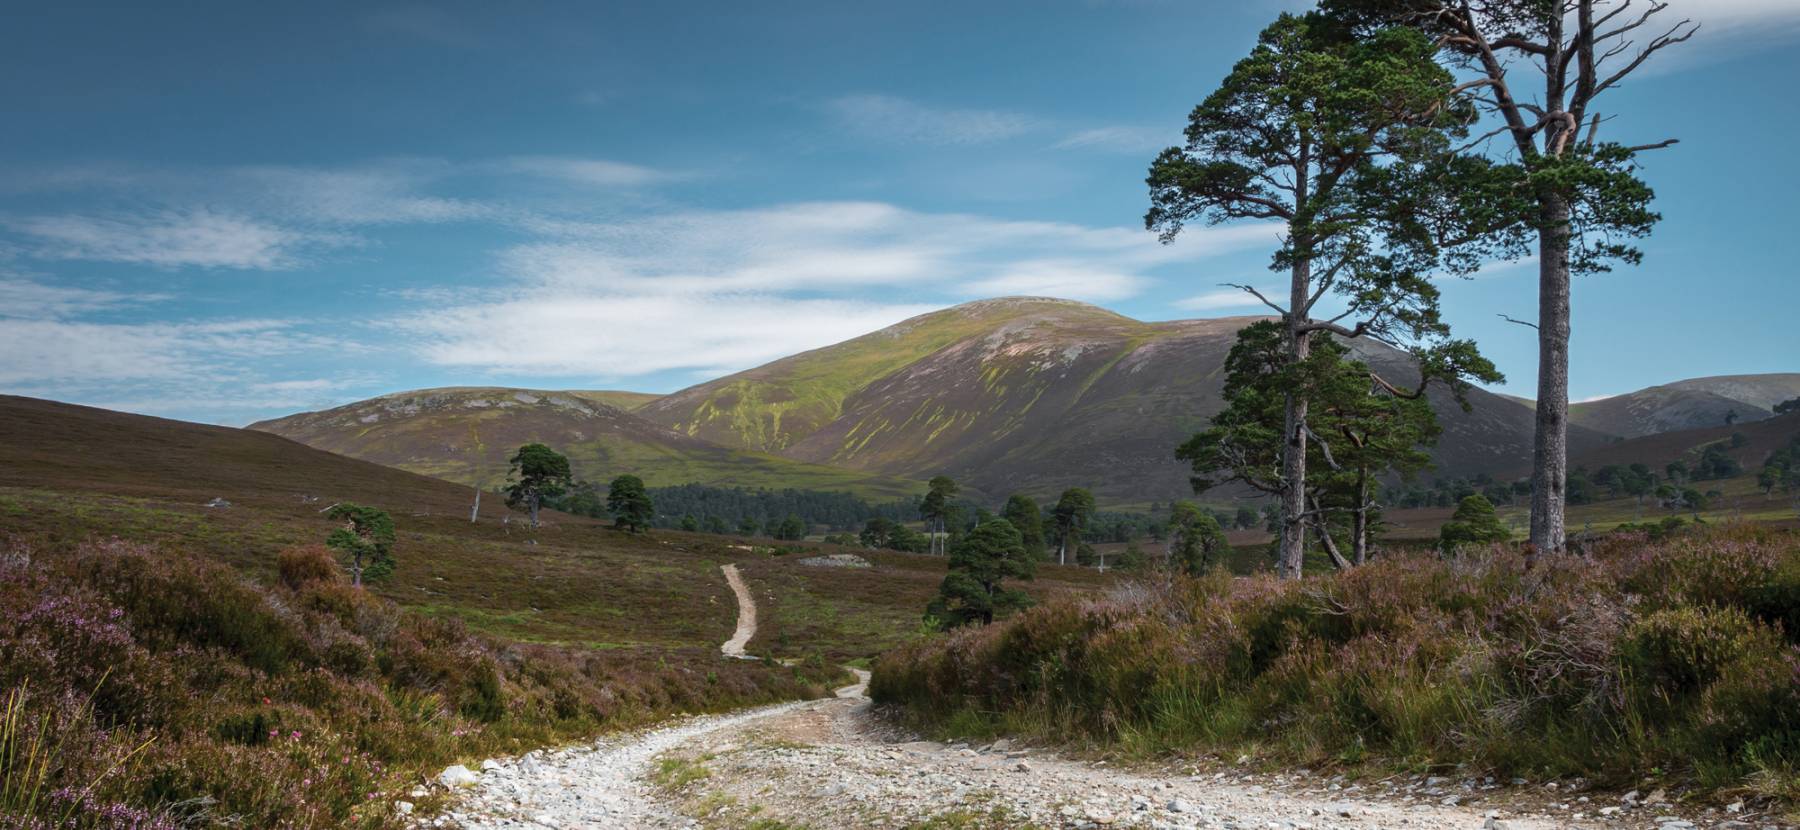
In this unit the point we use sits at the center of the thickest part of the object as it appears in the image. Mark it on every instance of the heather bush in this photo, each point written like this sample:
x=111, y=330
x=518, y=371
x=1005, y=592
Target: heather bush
x=165, y=690
x=300, y=566
x=1675, y=655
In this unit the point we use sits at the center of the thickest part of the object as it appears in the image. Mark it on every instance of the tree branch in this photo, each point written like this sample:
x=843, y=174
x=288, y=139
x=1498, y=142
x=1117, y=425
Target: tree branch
x=1258, y=295
x=1512, y=320
x=1663, y=41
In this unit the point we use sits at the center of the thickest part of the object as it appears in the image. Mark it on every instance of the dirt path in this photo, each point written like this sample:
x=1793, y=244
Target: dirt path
x=834, y=764
x=746, y=623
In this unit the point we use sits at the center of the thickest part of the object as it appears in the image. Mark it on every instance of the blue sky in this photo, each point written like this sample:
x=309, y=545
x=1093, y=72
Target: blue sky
x=228, y=211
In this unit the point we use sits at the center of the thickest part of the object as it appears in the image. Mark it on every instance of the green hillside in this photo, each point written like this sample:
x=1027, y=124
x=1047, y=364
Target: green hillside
x=1025, y=394
x=465, y=434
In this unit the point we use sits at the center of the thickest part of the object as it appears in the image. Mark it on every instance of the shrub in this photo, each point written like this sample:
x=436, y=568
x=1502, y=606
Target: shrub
x=302, y=566
x=154, y=678
x=1639, y=657
x=1681, y=651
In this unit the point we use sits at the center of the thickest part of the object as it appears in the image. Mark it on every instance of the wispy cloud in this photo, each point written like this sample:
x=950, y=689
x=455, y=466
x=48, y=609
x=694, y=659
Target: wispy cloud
x=1221, y=299
x=599, y=335
x=1121, y=139
x=1737, y=15
x=1073, y=280
x=72, y=353
x=379, y=193
x=173, y=238
x=589, y=172
x=27, y=299
x=888, y=118
x=722, y=290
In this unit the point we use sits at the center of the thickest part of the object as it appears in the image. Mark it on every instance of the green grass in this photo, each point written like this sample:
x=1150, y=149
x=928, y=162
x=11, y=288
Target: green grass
x=850, y=614
x=676, y=773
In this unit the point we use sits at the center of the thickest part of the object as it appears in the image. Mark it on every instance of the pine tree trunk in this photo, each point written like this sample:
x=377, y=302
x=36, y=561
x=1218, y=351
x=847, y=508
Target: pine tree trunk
x=1293, y=456
x=1550, y=448
x=534, y=510
x=1360, y=532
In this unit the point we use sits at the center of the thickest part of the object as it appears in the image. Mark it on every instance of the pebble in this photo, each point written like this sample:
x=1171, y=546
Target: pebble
x=848, y=780
x=457, y=775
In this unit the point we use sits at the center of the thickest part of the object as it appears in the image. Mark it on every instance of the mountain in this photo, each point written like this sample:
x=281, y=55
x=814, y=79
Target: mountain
x=465, y=434
x=1687, y=404
x=1027, y=394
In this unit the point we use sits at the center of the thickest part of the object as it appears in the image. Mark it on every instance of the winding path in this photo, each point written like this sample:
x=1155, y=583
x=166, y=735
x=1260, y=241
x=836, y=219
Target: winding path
x=830, y=764
x=746, y=623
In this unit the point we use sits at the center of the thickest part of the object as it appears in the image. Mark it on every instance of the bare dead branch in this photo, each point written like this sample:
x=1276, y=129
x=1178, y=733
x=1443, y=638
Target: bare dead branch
x=1257, y=294
x=1513, y=320
x=1673, y=36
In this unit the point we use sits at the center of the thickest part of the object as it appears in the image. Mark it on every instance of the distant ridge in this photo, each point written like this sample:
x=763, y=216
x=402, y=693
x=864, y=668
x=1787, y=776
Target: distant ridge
x=1687, y=404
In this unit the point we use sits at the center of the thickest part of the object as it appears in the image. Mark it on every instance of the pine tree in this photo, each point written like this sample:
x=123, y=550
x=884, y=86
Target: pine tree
x=367, y=537
x=630, y=504
x=1474, y=523
x=1549, y=187
x=980, y=562
x=1022, y=511
x=1333, y=136
x=537, y=473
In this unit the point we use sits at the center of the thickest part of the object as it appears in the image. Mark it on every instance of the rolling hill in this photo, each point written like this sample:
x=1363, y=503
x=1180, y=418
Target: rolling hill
x=65, y=447
x=1026, y=394
x=1687, y=404
x=1759, y=438
x=465, y=434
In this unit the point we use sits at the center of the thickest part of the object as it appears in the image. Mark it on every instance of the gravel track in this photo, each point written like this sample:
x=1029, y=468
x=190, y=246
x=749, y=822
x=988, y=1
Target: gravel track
x=836, y=764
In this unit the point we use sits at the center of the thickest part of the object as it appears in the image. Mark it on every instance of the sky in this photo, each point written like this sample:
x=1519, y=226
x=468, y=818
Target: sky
x=228, y=211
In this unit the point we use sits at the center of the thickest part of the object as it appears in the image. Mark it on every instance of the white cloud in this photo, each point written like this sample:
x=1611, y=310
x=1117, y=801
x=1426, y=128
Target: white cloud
x=1736, y=14
x=375, y=194
x=725, y=290
x=25, y=298
x=889, y=118
x=306, y=385
x=1225, y=298
x=1121, y=139
x=847, y=245
x=1067, y=280
x=75, y=353
x=624, y=336
x=200, y=238
x=588, y=172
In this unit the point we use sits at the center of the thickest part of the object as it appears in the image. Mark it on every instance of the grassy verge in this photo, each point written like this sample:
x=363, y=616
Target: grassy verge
x=851, y=614
x=1675, y=659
